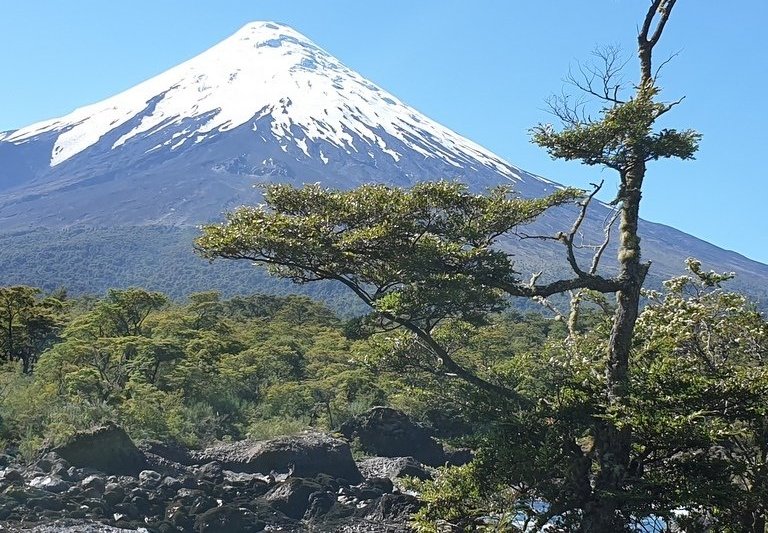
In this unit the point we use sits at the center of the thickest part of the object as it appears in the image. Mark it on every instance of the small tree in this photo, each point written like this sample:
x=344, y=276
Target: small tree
x=29, y=324
x=428, y=257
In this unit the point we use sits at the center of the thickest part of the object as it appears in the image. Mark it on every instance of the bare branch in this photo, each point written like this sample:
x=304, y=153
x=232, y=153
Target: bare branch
x=567, y=239
x=649, y=16
x=670, y=105
x=665, y=9
x=570, y=110
x=663, y=64
x=608, y=229
x=603, y=78
x=550, y=306
x=588, y=281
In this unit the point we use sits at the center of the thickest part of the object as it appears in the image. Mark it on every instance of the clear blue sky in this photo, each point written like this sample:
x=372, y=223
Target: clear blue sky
x=481, y=67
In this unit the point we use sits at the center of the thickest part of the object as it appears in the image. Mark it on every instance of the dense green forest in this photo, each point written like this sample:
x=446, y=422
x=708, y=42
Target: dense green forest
x=91, y=260
x=209, y=368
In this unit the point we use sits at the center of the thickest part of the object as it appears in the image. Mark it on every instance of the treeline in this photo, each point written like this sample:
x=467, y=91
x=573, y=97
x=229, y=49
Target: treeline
x=90, y=260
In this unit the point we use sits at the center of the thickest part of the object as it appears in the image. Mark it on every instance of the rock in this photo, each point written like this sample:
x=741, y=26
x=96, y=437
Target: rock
x=383, y=485
x=396, y=506
x=393, y=468
x=319, y=504
x=308, y=454
x=292, y=496
x=228, y=518
x=211, y=471
x=187, y=496
x=165, y=466
x=75, y=474
x=141, y=502
x=388, y=432
x=95, y=506
x=113, y=493
x=127, y=509
x=44, y=464
x=150, y=479
x=167, y=450
x=107, y=448
x=171, y=484
x=329, y=483
x=458, y=456
x=178, y=515
x=201, y=504
x=11, y=475
x=93, y=483
x=72, y=525
x=7, y=505
x=61, y=469
x=49, y=503
x=50, y=484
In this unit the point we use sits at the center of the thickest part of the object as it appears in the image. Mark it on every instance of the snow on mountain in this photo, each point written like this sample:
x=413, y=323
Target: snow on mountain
x=265, y=69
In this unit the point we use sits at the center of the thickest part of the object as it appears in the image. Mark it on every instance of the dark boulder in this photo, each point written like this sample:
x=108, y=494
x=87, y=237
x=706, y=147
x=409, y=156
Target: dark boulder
x=108, y=449
x=113, y=493
x=458, y=456
x=150, y=479
x=212, y=472
x=390, y=433
x=382, y=485
x=11, y=476
x=306, y=454
x=93, y=483
x=320, y=503
x=292, y=497
x=167, y=450
x=396, y=507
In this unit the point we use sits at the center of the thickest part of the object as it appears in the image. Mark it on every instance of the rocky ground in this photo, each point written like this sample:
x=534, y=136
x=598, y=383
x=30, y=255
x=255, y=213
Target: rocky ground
x=102, y=481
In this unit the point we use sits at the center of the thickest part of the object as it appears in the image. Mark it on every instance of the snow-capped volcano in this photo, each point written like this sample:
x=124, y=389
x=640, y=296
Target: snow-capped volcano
x=265, y=105
x=265, y=70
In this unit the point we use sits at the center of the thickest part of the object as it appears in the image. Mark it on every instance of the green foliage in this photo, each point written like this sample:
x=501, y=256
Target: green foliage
x=207, y=369
x=29, y=324
x=624, y=131
x=259, y=366
x=267, y=428
x=462, y=500
x=415, y=254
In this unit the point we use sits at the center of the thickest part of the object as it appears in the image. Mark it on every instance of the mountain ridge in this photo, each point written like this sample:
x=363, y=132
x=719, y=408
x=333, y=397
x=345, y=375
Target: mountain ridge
x=268, y=105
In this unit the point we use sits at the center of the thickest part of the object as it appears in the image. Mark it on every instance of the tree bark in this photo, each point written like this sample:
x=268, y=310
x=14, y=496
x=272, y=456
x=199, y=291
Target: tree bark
x=613, y=443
